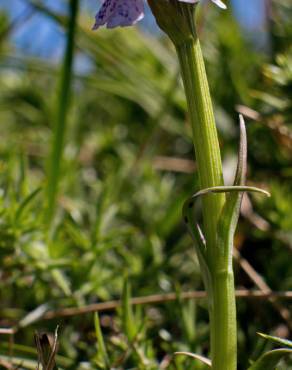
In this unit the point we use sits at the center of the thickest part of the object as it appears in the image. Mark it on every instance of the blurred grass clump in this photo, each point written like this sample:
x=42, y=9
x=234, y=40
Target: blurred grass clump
x=126, y=169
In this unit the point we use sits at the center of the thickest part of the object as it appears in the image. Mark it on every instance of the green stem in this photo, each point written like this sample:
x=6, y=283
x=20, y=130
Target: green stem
x=221, y=293
x=222, y=311
x=63, y=98
x=176, y=19
x=204, y=135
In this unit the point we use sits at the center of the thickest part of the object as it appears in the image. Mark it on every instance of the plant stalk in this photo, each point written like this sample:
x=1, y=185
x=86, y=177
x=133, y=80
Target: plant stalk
x=221, y=295
x=222, y=312
x=205, y=137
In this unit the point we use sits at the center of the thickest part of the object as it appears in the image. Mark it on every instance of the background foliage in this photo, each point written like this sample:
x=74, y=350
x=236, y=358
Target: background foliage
x=126, y=170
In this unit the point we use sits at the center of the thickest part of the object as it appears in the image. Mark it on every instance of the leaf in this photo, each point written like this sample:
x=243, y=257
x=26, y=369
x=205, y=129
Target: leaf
x=19, y=362
x=284, y=342
x=231, y=189
x=33, y=316
x=269, y=360
x=229, y=217
x=25, y=203
x=203, y=359
x=198, y=238
x=230, y=213
x=62, y=281
x=127, y=312
x=102, y=352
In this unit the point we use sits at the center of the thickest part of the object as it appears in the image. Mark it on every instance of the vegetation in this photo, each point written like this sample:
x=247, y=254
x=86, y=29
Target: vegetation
x=127, y=168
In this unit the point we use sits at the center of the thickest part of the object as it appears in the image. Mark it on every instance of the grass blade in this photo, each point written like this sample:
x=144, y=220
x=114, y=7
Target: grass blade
x=102, y=352
x=127, y=312
x=60, y=121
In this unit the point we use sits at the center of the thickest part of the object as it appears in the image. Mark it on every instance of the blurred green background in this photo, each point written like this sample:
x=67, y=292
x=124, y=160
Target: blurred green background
x=127, y=167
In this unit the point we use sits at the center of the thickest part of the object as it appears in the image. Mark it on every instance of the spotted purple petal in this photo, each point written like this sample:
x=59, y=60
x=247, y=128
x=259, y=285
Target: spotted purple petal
x=114, y=13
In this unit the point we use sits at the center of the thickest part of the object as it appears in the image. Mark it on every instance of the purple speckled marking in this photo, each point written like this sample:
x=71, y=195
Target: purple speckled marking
x=114, y=13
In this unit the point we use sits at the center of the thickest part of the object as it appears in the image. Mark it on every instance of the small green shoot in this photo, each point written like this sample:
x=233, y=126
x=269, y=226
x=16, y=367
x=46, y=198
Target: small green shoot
x=102, y=358
x=127, y=312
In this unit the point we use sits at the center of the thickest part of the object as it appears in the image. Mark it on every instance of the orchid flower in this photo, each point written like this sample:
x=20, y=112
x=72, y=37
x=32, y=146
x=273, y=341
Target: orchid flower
x=114, y=13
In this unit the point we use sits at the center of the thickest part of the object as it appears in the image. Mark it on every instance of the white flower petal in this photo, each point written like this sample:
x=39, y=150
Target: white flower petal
x=220, y=4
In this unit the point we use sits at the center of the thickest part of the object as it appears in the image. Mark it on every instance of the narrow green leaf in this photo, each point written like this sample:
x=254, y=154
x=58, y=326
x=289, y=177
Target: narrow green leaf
x=25, y=203
x=188, y=312
x=102, y=352
x=62, y=281
x=127, y=312
x=21, y=184
x=269, y=360
x=31, y=352
x=277, y=340
x=203, y=359
x=231, y=189
x=198, y=238
x=230, y=213
x=193, y=227
x=20, y=362
x=229, y=216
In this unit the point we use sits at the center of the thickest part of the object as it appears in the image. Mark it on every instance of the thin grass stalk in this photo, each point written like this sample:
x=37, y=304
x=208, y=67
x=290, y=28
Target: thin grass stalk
x=61, y=114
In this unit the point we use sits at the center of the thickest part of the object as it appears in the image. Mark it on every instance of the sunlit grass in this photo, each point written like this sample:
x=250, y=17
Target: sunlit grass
x=115, y=213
